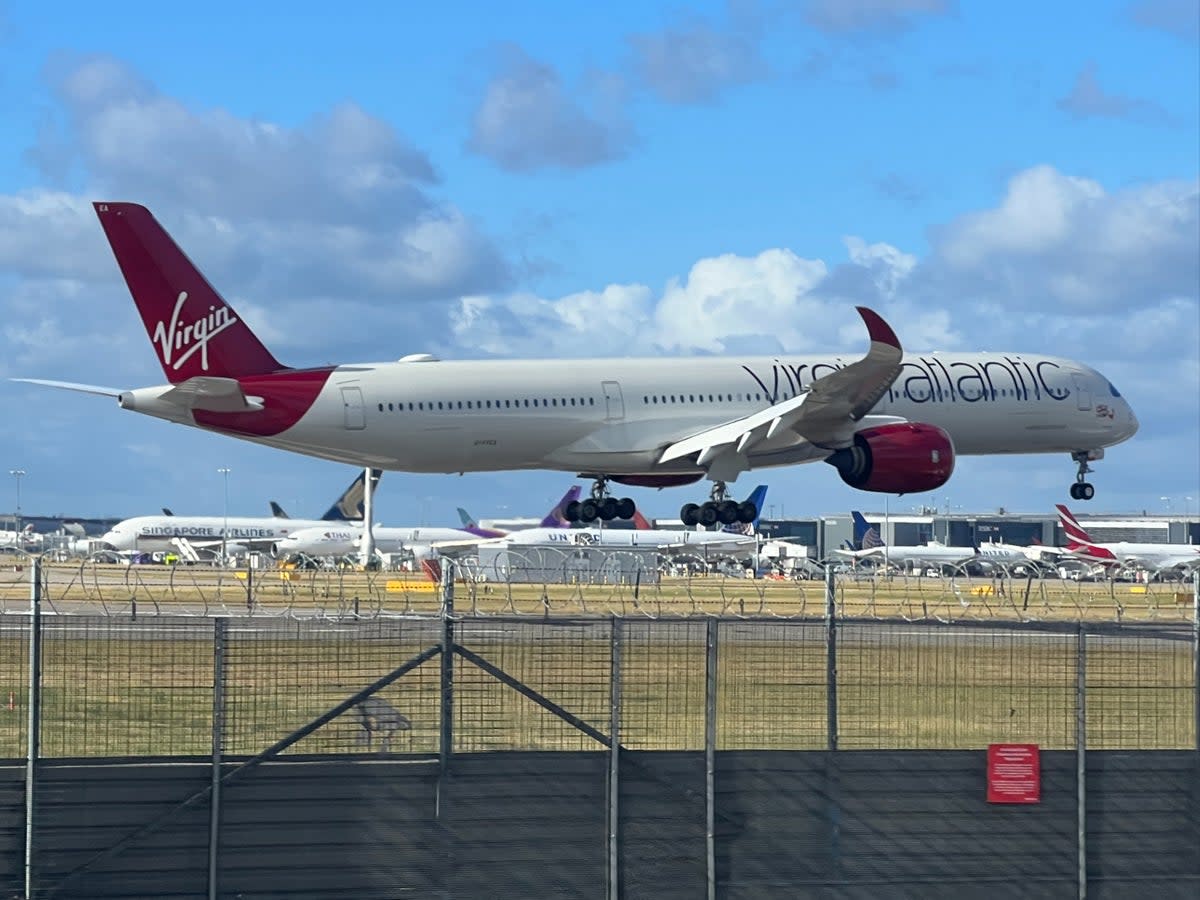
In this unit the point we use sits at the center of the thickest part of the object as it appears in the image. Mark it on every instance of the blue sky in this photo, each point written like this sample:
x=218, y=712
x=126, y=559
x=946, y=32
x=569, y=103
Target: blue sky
x=609, y=180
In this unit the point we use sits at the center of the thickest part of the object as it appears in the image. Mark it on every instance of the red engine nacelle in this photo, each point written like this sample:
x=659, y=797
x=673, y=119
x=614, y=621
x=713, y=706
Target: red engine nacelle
x=897, y=459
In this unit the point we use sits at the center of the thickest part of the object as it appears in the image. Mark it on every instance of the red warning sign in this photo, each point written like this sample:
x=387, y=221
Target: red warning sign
x=1014, y=773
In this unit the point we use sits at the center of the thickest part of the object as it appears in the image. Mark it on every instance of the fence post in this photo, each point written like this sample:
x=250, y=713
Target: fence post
x=1081, y=755
x=1196, y=654
x=710, y=755
x=831, y=707
x=832, y=785
x=220, y=634
x=446, y=742
x=34, y=723
x=614, y=761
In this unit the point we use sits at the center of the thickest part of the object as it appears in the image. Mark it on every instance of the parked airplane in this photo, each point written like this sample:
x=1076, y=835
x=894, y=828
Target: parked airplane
x=150, y=533
x=1124, y=553
x=625, y=538
x=933, y=553
x=347, y=540
x=887, y=422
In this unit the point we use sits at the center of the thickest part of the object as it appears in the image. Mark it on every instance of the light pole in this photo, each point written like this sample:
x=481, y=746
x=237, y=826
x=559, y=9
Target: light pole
x=224, y=472
x=1187, y=506
x=18, y=474
x=1166, y=500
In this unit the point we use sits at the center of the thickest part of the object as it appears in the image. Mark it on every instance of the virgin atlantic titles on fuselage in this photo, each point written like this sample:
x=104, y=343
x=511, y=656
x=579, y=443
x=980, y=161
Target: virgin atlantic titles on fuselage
x=888, y=422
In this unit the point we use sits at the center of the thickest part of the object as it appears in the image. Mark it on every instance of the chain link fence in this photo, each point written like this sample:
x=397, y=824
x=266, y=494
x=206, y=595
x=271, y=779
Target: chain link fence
x=451, y=686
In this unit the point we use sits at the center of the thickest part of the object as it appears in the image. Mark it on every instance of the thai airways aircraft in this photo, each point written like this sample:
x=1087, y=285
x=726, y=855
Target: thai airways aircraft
x=420, y=540
x=1124, y=553
x=150, y=533
x=888, y=422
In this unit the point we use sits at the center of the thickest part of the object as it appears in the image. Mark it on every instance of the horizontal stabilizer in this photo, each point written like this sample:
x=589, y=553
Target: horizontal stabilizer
x=212, y=394
x=71, y=386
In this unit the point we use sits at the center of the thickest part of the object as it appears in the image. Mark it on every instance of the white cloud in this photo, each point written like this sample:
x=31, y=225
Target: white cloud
x=1065, y=240
x=694, y=61
x=528, y=120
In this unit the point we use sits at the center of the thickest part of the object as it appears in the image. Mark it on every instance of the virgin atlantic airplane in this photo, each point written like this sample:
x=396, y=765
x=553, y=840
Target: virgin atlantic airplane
x=888, y=422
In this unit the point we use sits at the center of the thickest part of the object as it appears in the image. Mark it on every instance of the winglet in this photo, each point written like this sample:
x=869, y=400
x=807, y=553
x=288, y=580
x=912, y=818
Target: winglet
x=879, y=330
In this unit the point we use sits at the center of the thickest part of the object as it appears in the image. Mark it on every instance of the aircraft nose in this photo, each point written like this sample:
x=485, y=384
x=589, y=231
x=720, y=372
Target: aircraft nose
x=1128, y=425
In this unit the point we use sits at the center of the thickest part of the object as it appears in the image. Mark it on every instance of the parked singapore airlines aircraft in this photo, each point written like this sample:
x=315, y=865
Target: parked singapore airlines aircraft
x=150, y=533
x=887, y=422
x=420, y=540
x=1125, y=553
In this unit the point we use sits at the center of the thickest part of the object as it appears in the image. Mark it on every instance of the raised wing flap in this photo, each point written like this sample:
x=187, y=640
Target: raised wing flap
x=212, y=394
x=769, y=421
x=824, y=414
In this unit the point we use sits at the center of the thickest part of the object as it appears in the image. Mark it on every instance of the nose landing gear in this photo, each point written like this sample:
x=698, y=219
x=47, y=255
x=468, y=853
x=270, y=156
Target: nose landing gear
x=1082, y=489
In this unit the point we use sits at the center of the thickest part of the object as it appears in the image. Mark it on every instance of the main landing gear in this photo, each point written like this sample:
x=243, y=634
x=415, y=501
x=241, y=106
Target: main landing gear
x=600, y=506
x=1082, y=489
x=719, y=509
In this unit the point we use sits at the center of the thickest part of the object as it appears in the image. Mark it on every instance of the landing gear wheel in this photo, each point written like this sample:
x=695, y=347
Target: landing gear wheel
x=727, y=512
x=690, y=514
x=747, y=512
x=626, y=508
x=708, y=515
x=589, y=511
x=1082, y=491
x=571, y=511
x=608, y=509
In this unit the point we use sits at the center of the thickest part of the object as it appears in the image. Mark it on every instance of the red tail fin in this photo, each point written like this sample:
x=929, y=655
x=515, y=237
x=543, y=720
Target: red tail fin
x=1074, y=531
x=432, y=569
x=193, y=330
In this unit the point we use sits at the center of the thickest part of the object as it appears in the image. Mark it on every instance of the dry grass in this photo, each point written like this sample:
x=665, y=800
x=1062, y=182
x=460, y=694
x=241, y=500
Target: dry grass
x=115, y=688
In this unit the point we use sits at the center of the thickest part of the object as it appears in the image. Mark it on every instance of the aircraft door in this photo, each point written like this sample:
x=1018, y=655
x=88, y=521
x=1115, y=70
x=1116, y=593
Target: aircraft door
x=614, y=403
x=352, y=404
x=1083, y=393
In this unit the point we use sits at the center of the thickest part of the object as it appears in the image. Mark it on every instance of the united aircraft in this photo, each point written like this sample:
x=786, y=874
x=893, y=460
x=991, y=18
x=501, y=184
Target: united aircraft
x=933, y=553
x=152, y=533
x=889, y=422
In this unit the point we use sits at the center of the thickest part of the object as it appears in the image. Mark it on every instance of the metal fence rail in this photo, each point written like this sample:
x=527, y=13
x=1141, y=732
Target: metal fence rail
x=675, y=725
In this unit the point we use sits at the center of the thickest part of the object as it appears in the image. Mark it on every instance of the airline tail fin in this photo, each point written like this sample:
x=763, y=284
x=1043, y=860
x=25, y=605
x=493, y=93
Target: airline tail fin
x=278, y=511
x=757, y=496
x=866, y=535
x=166, y=511
x=466, y=519
x=640, y=522
x=1078, y=540
x=349, y=506
x=1077, y=535
x=193, y=330
x=556, y=518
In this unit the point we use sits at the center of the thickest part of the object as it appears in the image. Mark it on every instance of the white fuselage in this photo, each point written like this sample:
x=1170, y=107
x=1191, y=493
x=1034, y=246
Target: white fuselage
x=940, y=554
x=617, y=538
x=151, y=533
x=615, y=416
x=345, y=541
x=1145, y=555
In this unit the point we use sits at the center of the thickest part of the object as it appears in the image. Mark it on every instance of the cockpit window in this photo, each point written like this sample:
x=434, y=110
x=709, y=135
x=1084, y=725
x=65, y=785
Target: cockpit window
x=1112, y=390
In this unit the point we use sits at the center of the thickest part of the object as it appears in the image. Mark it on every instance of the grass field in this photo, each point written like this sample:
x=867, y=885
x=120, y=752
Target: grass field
x=116, y=688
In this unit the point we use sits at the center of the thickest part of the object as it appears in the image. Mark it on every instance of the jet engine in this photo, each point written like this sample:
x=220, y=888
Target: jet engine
x=901, y=458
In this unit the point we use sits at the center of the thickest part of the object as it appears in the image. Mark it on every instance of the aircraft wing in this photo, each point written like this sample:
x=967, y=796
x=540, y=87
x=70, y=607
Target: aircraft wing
x=824, y=414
